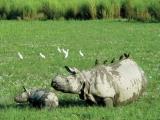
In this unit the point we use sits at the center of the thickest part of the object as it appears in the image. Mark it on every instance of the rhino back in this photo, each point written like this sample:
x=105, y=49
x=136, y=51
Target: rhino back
x=129, y=79
x=37, y=98
x=42, y=97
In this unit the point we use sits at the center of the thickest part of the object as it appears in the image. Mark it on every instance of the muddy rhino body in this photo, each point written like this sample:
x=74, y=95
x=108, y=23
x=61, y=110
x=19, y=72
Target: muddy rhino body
x=38, y=98
x=114, y=84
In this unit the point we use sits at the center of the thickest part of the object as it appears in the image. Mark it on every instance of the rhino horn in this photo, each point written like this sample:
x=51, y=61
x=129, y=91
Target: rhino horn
x=70, y=70
x=25, y=90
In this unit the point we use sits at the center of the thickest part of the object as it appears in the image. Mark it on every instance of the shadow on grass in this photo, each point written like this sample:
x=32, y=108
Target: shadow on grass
x=8, y=106
x=62, y=104
x=72, y=103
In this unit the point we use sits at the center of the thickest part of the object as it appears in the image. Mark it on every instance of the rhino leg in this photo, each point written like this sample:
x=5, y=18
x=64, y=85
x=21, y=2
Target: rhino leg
x=108, y=102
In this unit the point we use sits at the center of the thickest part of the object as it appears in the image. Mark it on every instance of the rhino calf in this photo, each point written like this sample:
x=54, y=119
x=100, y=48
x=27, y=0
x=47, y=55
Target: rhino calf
x=115, y=84
x=38, y=98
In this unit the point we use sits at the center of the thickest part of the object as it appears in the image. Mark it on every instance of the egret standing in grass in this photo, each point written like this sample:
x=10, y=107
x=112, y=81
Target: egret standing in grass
x=20, y=55
x=42, y=56
x=59, y=50
x=80, y=52
x=66, y=52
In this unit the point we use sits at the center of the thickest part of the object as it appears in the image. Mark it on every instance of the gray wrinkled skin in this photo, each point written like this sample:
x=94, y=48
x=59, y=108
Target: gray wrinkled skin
x=38, y=98
x=111, y=85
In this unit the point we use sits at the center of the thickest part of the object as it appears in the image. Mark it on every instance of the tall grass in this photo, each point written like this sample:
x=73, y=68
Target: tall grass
x=154, y=10
x=108, y=9
x=143, y=10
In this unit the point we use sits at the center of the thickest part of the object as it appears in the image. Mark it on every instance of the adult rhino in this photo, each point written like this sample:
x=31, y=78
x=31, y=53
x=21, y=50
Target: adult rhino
x=109, y=85
x=37, y=98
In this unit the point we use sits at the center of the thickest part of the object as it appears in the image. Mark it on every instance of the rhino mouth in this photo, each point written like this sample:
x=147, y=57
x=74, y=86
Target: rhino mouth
x=19, y=99
x=56, y=86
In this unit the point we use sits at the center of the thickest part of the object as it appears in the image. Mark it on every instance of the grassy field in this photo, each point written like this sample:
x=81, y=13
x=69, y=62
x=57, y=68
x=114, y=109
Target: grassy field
x=97, y=39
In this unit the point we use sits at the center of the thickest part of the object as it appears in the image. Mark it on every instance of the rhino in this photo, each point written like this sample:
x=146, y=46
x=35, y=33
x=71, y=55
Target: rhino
x=37, y=98
x=110, y=85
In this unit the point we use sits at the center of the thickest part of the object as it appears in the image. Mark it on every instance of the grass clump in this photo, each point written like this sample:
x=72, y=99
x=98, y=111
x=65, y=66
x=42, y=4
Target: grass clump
x=154, y=10
x=141, y=12
x=135, y=10
x=4, y=9
x=108, y=9
x=15, y=10
x=86, y=10
x=50, y=9
x=29, y=11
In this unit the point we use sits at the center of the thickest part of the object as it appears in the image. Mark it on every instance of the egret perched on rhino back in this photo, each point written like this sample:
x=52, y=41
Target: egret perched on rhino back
x=118, y=83
x=37, y=98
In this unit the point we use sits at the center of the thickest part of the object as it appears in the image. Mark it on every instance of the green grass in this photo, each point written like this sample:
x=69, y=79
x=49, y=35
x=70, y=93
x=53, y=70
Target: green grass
x=141, y=10
x=97, y=39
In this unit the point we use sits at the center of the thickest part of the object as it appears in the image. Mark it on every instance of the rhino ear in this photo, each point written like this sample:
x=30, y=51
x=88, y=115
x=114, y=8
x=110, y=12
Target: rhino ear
x=73, y=72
